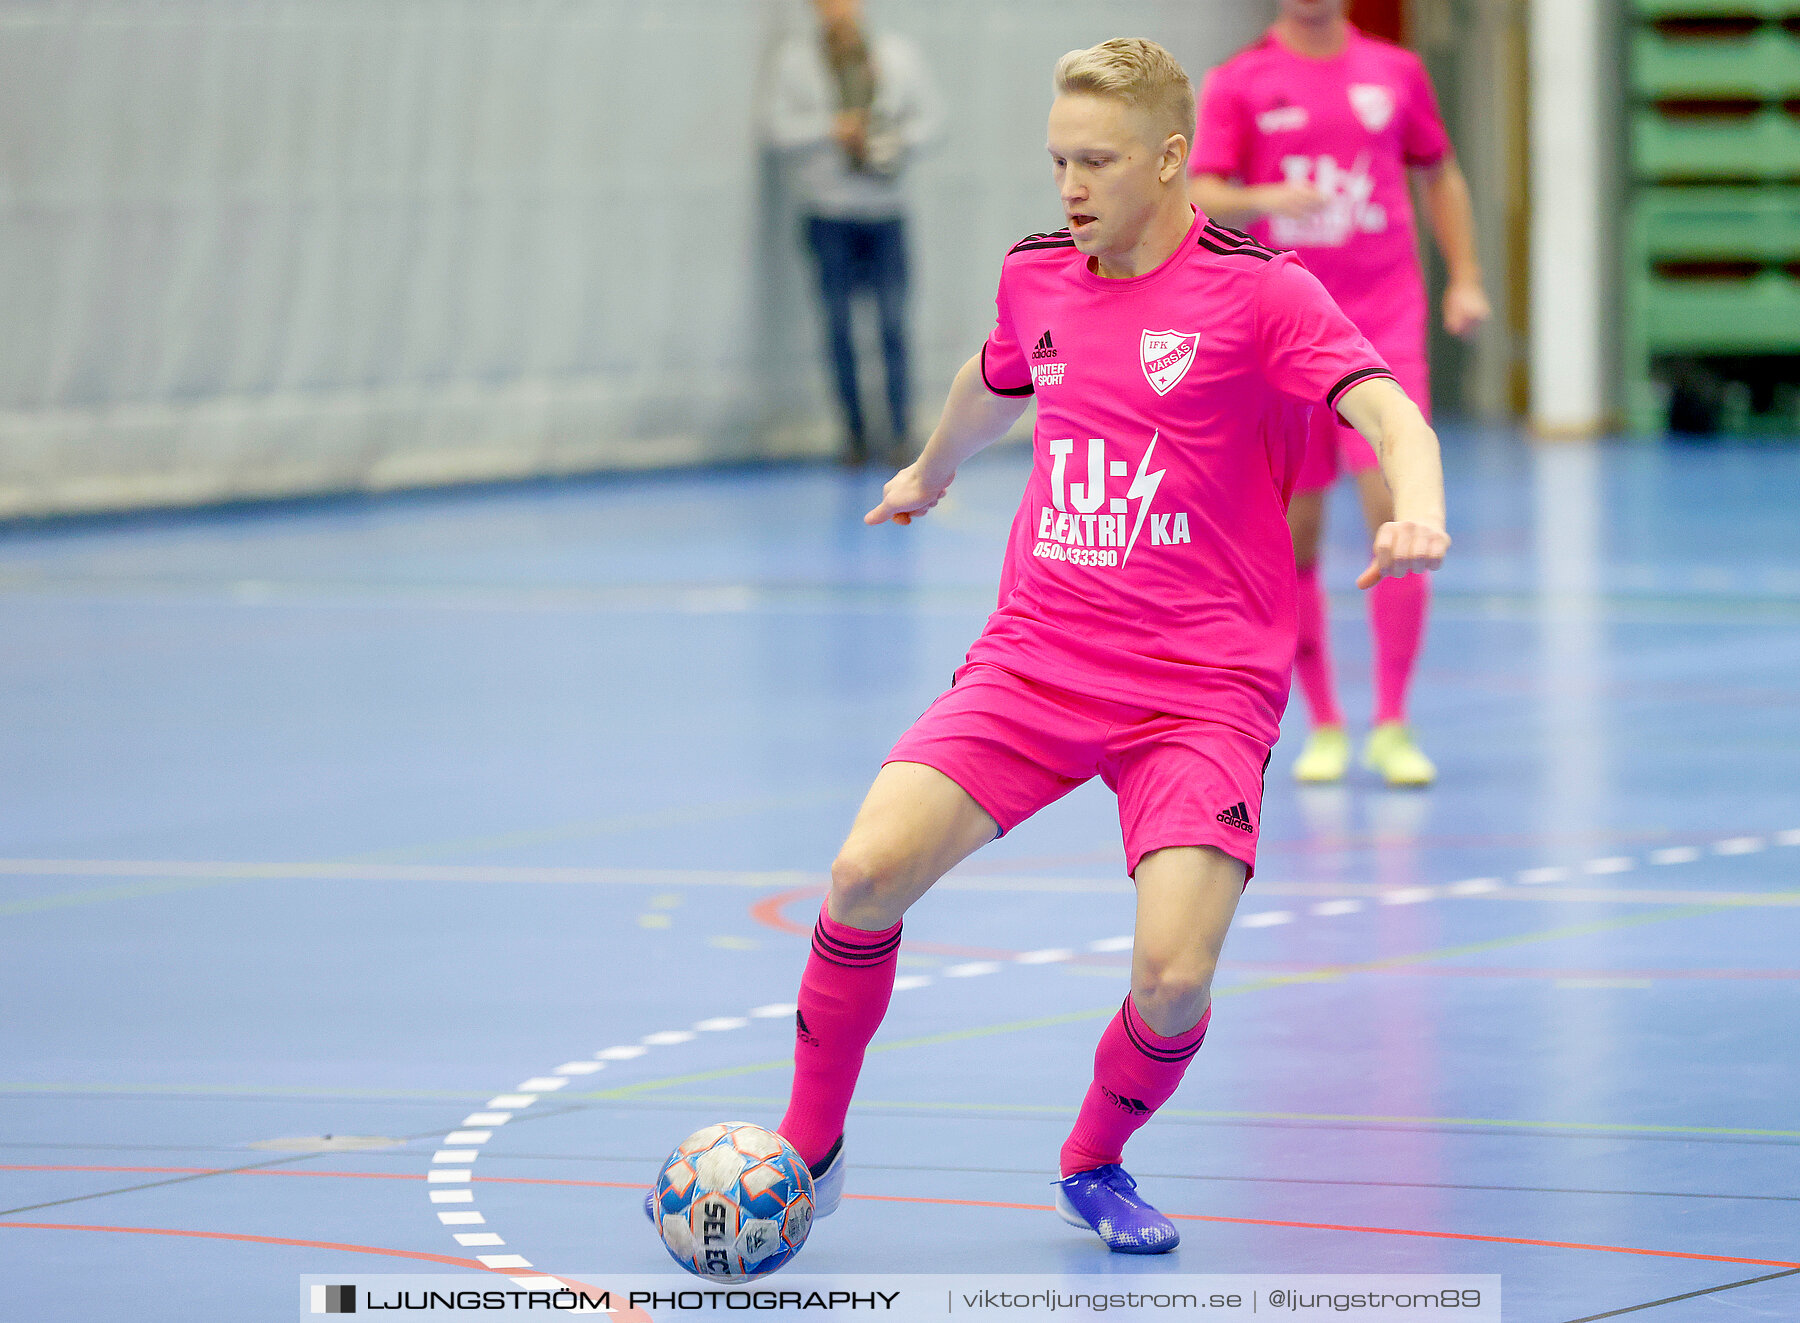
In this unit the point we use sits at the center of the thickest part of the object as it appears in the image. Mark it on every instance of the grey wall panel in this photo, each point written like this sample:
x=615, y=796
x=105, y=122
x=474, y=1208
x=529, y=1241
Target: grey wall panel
x=256, y=247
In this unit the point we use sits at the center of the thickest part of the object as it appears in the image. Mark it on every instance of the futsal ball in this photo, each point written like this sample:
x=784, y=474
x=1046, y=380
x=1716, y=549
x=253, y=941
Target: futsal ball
x=734, y=1201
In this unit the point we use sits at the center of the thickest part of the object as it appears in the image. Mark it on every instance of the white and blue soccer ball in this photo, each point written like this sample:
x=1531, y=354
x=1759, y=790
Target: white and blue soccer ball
x=734, y=1201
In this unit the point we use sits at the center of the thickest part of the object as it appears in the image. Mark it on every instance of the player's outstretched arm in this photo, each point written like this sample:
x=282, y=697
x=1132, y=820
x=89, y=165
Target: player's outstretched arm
x=1415, y=539
x=973, y=417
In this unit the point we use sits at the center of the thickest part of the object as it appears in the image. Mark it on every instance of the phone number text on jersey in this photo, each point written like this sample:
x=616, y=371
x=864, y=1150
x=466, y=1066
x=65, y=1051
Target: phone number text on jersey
x=1075, y=555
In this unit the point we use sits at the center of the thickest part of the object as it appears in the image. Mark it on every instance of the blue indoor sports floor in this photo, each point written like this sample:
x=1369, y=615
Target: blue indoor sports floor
x=482, y=831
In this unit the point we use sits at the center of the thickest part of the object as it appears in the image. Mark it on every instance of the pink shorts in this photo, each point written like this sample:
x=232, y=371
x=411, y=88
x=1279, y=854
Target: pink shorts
x=1017, y=745
x=1332, y=445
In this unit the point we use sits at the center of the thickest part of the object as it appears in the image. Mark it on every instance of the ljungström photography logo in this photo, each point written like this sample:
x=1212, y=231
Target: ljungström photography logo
x=334, y=1300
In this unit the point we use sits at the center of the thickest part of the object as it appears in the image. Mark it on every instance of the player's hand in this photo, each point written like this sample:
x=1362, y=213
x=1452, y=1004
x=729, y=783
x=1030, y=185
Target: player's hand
x=1404, y=547
x=1465, y=309
x=1296, y=201
x=908, y=494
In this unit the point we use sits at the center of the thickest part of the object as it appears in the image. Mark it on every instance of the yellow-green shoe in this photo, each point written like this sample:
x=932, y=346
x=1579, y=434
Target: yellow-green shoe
x=1391, y=752
x=1325, y=757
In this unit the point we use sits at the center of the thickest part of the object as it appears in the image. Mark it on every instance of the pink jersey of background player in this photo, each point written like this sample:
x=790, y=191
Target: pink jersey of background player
x=1150, y=561
x=1350, y=127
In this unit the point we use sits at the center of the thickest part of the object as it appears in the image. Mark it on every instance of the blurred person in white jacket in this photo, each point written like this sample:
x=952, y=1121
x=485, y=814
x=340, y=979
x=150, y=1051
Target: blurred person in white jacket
x=850, y=108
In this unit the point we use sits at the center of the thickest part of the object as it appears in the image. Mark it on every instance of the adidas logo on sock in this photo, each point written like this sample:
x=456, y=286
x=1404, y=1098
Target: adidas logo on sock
x=800, y=1028
x=1136, y=1106
x=1238, y=815
x=1043, y=348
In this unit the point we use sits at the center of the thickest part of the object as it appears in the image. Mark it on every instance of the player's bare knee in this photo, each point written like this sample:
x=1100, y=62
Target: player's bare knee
x=865, y=890
x=1173, y=994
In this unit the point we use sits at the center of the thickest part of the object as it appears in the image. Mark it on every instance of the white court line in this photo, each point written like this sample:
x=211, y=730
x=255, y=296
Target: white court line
x=579, y=1068
x=472, y=1238
x=468, y=1136
x=1615, y=864
x=1475, y=886
x=447, y=1177
x=1611, y=864
x=1740, y=845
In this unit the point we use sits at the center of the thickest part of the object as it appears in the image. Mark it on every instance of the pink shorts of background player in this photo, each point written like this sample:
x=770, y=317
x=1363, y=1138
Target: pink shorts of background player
x=1334, y=447
x=1016, y=745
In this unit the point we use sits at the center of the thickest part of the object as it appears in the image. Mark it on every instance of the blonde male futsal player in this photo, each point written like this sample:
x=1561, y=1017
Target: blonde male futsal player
x=1145, y=629
x=1308, y=137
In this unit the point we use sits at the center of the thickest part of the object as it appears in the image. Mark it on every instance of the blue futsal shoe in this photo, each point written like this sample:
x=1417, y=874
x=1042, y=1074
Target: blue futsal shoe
x=828, y=1186
x=1105, y=1200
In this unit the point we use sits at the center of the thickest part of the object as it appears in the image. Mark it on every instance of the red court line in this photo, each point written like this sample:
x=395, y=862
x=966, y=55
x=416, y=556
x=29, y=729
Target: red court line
x=636, y=1315
x=767, y=912
x=946, y=1203
x=338, y=1175
x=450, y=1259
x=1376, y=1231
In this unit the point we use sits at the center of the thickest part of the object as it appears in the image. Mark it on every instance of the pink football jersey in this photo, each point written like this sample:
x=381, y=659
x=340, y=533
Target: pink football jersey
x=1350, y=127
x=1150, y=561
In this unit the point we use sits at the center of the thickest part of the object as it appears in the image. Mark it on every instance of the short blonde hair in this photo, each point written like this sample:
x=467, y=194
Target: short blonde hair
x=1140, y=73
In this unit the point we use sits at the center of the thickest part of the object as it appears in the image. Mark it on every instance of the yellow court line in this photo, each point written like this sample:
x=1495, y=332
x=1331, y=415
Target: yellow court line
x=1325, y=974
x=1060, y=1109
x=99, y=895
x=389, y=866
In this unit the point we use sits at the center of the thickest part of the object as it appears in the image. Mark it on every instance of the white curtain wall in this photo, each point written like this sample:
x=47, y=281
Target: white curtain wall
x=266, y=247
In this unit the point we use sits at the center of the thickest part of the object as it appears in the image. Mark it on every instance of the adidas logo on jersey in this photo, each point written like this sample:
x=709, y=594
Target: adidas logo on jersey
x=1238, y=815
x=1043, y=348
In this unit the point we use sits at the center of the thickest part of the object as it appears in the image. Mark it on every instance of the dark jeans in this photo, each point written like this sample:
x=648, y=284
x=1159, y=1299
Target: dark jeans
x=871, y=255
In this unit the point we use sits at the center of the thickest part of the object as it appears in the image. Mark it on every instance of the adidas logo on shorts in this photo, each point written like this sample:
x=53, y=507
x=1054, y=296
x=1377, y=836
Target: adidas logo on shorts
x=1238, y=815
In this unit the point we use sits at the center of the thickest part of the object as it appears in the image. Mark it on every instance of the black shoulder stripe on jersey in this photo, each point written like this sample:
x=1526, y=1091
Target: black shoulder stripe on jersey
x=1230, y=235
x=1035, y=240
x=1000, y=390
x=1034, y=247
x=1260, y=254
x=1237, y=239
x=1336, y=393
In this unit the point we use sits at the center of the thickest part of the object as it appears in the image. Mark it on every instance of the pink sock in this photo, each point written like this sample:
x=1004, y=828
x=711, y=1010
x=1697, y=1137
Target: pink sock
x=1312, y=659
x=1135, y=1072
x=1397, y=619
x=843, y=995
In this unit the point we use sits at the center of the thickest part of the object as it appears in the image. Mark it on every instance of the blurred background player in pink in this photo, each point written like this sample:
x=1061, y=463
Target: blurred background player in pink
x=1308, y=138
